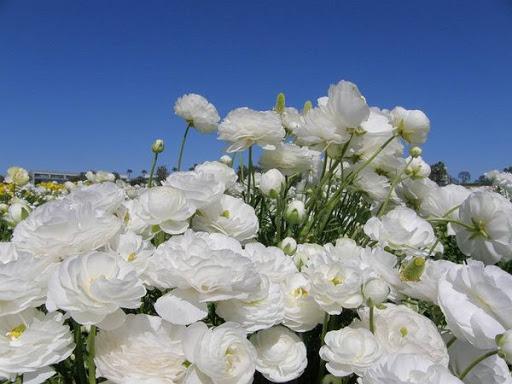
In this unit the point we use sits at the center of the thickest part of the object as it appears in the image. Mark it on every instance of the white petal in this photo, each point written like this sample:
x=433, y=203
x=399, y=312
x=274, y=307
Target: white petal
x=181, y=306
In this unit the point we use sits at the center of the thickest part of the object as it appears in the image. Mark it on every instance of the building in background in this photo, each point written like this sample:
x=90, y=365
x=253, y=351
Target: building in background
x=37, y=176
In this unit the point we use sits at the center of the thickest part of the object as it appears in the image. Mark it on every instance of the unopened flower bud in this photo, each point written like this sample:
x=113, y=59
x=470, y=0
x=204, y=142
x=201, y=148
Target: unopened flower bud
x=272, y=183
x=295, y=212
x=17, y=175
x=288, y=245
x=413, y=270
x=226, y=160
x=308, y=105
x=158, y=146
x=280, y=103
x=415, y=151
x=504, y=343
x=17, y=212
x=376, y=290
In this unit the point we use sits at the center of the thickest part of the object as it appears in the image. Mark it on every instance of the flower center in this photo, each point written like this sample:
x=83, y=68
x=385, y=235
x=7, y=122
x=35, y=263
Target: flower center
x=231, y=358
x=300, y=292
x=132, y=256
x=337, y=280
x=226, y=214
x=16, y=332
x=404, y=331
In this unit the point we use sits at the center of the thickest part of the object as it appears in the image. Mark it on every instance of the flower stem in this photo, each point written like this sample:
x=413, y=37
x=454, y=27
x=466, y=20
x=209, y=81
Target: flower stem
x=152, y=171
x=250, y=175
x=91, y=344
x=476, y=362
x=183, y=146
x=372, y=317
x=81, y=377
x=451, y=341
x=394, y=183
x=325, y=328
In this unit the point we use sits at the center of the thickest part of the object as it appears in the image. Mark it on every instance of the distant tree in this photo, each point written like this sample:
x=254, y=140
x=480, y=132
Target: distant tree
x=116, y=174
x=2, y=178
x=80, y=177
x=129, y=173
x=161, y=173
x=439, y=173
x=464, y=177
x=138, y=180
x=482, y=180
x=144, y=173
x=508, y=169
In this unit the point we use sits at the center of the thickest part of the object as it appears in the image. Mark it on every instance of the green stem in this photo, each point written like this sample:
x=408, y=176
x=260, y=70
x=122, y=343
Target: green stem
x=443, y=220
x=91, y=344
x=250, y=175
x=451, y=341
x=325, y=328
x=19, y=379
x=476, y=362
x=394, y=183
x=79, y=354
x=183, y=146
x=372, y=316
x=152, y=171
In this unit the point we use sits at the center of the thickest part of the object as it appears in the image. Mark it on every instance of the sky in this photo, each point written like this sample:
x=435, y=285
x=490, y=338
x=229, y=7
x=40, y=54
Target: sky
x=90, y=84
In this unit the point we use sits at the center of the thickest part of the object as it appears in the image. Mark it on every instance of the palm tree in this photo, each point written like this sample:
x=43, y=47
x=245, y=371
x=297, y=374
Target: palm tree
x=129, y=173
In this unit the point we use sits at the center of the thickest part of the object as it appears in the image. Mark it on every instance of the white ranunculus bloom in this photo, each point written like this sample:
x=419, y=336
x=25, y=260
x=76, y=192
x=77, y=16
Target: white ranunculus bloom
x=222, y=353
x=214, y=265
x=413, y=125
x=104, y=196
x=31, y=340
x=409, y=368
x=490, y=214
x=271, y=261
x=401, y=229
x=100, y=176
x=335, y=286
x=199, y=188
x=504, y=342
x=490, y=370
x=133, y=249
x=376, y=290
x=18, y=210
x=17, y=175
x=417, y=168
x=262, y=310
x=145, y=349
x=292, y=119
x=23, y=280
x=295, y=212
x=59, y=229
x=281, y=354
x=350, y=350
x=197, y=112
x=476, y=301
x=444, y=200
x=307, y=254
x=166, y=207
x=93, y=288
x=290, y=159
x=401, y=330
x=244, y=127
x=373, y=185
x=221, y=172
x=422, y=195
x=230, y=216
x=320, y=131
x=301, y=311
x=271, y=183
x=378, y=123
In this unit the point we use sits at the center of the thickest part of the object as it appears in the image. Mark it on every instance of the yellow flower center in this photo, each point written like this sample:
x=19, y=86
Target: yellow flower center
x=404, y=331
x=132, y=256
x=337, y=280
x=16, y=332
x=300, y=292
x=226, y=214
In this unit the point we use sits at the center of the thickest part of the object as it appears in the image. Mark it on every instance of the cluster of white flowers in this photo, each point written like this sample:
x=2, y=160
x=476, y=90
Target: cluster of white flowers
x=340, y=260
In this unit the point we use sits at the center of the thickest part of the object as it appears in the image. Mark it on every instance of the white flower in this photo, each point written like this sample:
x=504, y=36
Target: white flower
x=229, y=216
x=413, y=125
x=295, y=212
x=423, y=195
x=443, y=201
x=372, y=184
x=335, y=286
x=212, y=264
x=262, y=310
x=308, y=253
x=409, y=368
x=23, y=280
x=270, y=261
x=376, y=290
x=244, y=127
x=490, y=216
x=17, y=175
x=281, y=354
x=166, y=207
x=378, y=123
x=31, y=340
x=133, y=249
x=288, y=245
x=320, y=131
x=100, y=176
x=144, y=350
x=350, y=350
x=401, y=330
x=401, y=229
x=301, y=312
x=271, y=183
x=476, y=301
x=18, y=210
x=493, y=369
x=199, y=188
x=221, y=173
x=105, y=196
x=504, y=342
x=158, y=146
x=417, y=168
x=59, y=229
x=290, y=159
x=223, y=353
x=93, y=288
x=197, y=112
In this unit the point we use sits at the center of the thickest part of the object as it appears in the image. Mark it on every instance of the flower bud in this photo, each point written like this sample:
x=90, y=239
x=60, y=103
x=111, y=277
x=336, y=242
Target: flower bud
x=17, y=212
x=272, y=183
x=280, y=103
x=226, y=160
x=376, y=290
x=308, y=105
x=288, y=245
x=415, y=151
x=412, y=125
x=295, y=212
x=17, y=175
x=413, y=270
x=504, y=342
x=158, y=146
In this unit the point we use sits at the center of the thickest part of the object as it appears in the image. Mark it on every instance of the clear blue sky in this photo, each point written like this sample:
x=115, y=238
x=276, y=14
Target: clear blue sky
x=90, y=84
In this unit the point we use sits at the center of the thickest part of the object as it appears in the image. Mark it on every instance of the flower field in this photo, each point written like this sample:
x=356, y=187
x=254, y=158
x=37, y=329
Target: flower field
x=316, y=250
